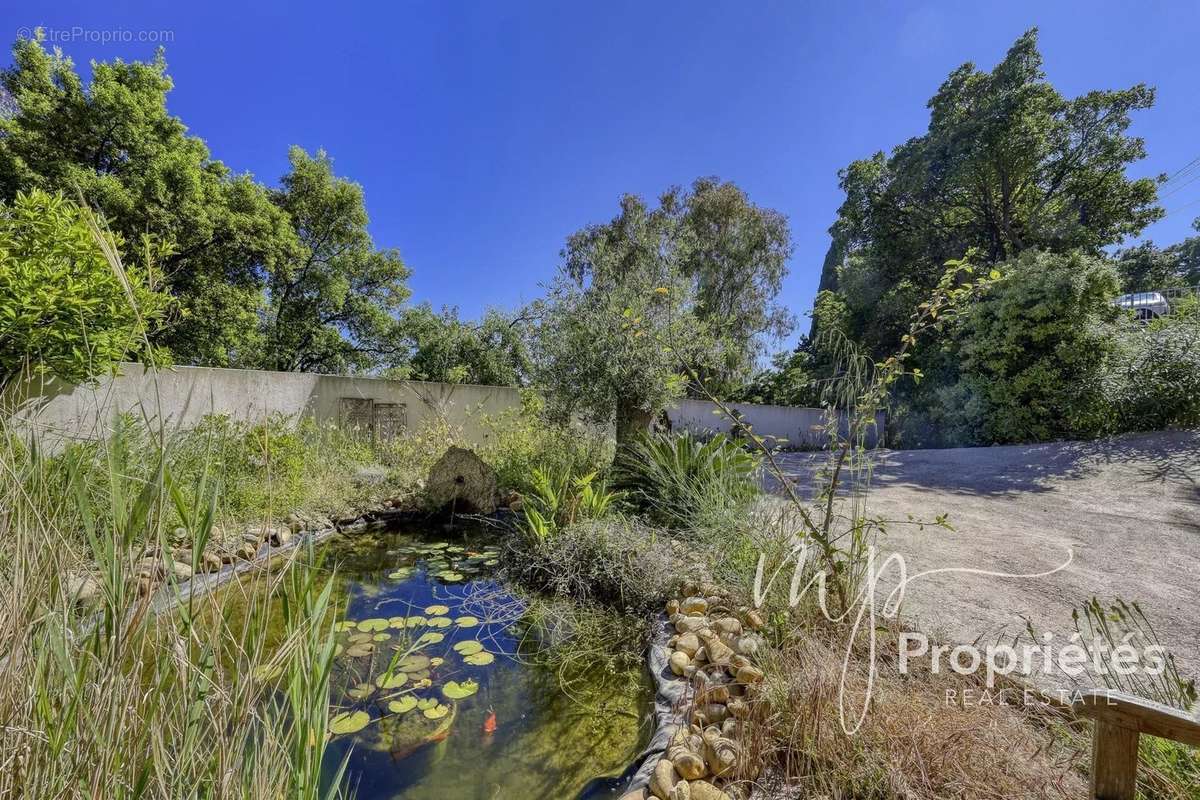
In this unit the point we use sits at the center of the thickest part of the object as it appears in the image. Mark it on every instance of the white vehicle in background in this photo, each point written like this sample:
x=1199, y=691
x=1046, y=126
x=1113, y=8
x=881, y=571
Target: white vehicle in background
x=1146, y=305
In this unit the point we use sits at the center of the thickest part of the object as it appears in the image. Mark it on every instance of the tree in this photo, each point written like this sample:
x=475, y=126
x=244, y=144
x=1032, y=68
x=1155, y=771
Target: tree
x=333, y=299
x=736, y=255
x=441, y=347
x=1146, y=267
x=1007, y=164
x=619, y=321
x=115, y=143
x=65, y=309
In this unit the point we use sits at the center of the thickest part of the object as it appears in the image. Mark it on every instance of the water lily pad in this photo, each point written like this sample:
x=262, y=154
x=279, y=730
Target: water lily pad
x=454, y=690
x=403, y=705
x=479, y=659
x=360, y=691
x=356, y=638
x=454, y=548
x=437, y=712
x=400, y=574
x=393, y=680
x=349, y=722
x=360, y=650
x=373, y=625
x=397, y=622
x=430, y=638
x=436, y=611
x=338, y=650
x=491, y=562
x=436, y=662
x=466, y=622
x=415, y=622
x=450, y=576
x=413, y=663
x=426, y=703
x=468, y=647
x=344, y=625
x=437, y=546
x=381, y=637
x=439, y=622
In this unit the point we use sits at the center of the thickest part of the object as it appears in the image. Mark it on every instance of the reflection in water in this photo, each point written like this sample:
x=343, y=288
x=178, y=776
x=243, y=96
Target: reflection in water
x=424, y=625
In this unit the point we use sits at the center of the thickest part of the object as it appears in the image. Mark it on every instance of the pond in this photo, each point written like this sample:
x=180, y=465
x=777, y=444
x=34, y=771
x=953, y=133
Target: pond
x=438, y=692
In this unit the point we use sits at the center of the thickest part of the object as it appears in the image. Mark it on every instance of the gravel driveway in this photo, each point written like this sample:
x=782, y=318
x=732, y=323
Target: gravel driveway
x=1127, y=507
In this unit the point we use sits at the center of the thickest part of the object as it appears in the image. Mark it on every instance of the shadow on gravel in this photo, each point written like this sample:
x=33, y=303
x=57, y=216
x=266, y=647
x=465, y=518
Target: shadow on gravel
x=1169, y=458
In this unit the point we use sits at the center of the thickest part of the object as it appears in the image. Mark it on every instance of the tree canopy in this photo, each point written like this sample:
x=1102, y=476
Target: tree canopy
x=1007, y=164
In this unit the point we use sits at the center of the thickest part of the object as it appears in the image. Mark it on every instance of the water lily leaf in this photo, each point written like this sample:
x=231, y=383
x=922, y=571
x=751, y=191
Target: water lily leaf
x=450, y=576
x=437, y=712
x=437, y=546
x=348, y=722
x=373, y=625
x=491, y=562
x=355, y=638
x=360, y=691
x=391, y=681
x=345, y=625
x=338, y=650
x=454, y=690
x=466, y=622
x=437, y=611
x=403, y=705
x=413, y=663
x=415, y=622
x=439, y=622
x=426, y=703
x=430, y=638
x=397, y=622
x=360, y=650
x=479, y=659
x=424, y=683
x=400, y=574
x=381, y=637
x=436, y=662
x=454, y=548
x=468, y=647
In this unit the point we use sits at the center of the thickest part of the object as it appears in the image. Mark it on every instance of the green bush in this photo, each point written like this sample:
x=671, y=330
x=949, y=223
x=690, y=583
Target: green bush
x=1154, y=376
x=560, y=499
x=522, y=440
x=1032, y=353
x=67, y=307
x=680, y=482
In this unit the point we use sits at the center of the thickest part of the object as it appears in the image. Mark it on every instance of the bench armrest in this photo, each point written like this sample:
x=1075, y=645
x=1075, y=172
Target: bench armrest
x=1135, y=714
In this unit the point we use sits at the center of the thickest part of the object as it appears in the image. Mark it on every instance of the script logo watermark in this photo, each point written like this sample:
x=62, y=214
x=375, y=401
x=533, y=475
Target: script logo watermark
x=864, y=608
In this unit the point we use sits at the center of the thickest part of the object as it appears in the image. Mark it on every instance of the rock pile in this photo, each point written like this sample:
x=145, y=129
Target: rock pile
x=711, y=756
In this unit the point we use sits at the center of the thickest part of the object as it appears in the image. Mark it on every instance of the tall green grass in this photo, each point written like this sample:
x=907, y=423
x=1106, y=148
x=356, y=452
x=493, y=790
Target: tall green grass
x=114, y=699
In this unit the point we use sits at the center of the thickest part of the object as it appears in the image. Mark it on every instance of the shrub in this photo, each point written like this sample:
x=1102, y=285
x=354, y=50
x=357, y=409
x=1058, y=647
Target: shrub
x=1032, y=352
x=681, y=482
x=1153, y=379
x=67, y=307
x=523, y=439
x=561, y=499
x=616, y=562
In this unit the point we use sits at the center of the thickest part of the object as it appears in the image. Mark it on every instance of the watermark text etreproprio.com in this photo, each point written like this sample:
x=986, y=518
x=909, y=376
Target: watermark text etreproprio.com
x=79, y=33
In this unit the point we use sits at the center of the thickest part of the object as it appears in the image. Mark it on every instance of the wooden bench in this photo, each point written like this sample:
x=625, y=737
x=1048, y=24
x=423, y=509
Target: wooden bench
x=1120, y=719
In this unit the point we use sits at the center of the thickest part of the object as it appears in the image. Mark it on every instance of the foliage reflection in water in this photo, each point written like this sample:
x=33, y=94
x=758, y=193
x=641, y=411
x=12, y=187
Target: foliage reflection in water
x=434, y=694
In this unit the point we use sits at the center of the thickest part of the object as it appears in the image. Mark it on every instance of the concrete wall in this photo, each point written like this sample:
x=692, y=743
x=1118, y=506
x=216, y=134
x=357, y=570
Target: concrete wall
x=181, y=396
x=788, y=426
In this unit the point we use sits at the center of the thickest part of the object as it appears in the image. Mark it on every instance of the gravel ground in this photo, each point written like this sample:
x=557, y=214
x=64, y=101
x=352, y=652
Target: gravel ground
x=1128, y=508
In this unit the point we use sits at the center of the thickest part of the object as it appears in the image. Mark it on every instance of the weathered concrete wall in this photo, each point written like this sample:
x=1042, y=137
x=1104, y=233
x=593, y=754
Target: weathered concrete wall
x=788, y=426
x=182, y=396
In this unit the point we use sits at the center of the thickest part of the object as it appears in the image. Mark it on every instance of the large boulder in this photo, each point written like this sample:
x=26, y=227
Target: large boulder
x=460, y=480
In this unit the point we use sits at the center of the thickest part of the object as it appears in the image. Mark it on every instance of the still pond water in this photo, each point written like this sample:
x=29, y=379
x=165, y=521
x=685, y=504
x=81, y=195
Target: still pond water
x=435, y=664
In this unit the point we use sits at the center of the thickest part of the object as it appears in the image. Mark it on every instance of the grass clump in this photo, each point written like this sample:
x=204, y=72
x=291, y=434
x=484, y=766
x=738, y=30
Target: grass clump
x=615, y=562
x=683, y=483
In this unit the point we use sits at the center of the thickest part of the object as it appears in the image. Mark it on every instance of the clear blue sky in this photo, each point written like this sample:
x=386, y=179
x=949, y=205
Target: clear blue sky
x=484, y=133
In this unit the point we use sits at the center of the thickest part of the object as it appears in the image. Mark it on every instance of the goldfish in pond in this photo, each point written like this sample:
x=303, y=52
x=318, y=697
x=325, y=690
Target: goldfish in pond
x=489, y=722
